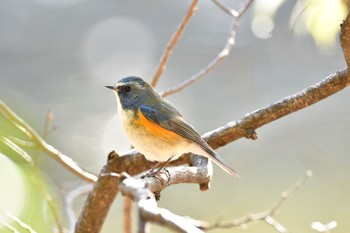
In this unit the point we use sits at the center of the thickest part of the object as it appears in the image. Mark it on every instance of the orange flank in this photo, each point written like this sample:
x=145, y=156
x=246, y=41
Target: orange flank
x=154, y=129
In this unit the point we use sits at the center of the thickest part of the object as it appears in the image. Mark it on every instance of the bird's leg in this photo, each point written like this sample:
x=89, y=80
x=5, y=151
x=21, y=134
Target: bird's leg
x=159, y=166
x=154, y=167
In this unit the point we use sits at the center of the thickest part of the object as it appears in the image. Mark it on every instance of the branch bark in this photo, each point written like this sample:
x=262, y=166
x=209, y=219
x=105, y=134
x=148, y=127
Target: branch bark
x=246, y=126
x=149, y=211
x=106, y=188
x=99, y=199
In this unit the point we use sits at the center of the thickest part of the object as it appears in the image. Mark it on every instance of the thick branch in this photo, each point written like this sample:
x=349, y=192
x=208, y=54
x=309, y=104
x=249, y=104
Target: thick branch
x=180, y=175
x=105, y=189
x=148, y=209
x=99, y=200
x=246, y=126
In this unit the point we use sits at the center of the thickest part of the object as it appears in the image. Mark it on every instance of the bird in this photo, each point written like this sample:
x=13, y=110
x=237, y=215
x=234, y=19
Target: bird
x=155, y=127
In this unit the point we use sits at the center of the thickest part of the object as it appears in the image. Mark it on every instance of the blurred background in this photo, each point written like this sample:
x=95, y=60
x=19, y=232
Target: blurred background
x=58, y=55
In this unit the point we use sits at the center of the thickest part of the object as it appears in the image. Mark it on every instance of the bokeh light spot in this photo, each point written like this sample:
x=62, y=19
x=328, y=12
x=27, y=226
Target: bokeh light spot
x=118, y=47
x=262, y=26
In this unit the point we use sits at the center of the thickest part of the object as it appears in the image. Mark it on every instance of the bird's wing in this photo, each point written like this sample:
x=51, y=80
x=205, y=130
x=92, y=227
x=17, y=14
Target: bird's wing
x=175, y=123
x=170, y=119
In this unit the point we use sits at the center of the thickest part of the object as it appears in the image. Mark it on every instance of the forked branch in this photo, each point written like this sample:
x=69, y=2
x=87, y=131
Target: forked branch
x=230, y=42
x=266, y=215
x=63, y=159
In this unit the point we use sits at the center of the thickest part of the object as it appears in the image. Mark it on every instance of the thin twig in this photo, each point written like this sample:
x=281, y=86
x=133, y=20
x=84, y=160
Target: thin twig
x=8, y=226
x=275, y=224
x=264, y=215
x=17, y=149
x=286, y=194
x=64, y=160
x=21, y=223
x=173, y=41
x=230, y=42
x=48, y=121
x=227, y=10
x=21, y=142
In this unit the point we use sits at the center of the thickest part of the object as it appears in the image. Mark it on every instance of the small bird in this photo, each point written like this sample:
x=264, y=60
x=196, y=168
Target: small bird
x=156, y=128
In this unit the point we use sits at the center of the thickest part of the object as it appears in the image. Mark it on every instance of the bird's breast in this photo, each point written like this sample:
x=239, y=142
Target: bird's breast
x=149, y=138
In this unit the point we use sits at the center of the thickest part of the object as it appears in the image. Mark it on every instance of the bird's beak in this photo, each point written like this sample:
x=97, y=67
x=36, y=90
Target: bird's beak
x=112, y=87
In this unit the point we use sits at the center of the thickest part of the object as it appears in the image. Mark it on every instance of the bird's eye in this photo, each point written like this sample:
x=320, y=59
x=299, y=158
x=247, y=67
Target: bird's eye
x=127, y=88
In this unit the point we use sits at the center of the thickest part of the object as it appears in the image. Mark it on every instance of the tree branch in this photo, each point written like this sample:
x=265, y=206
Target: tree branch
x=226, y=9
x=149, y=211
x=173, y=41
x=69, y=200
x=23, y=225
x=246, y=126
x=230, y=42
x=105, y=189
x=180, y=175
x=64, y=160
x=265, y=215
x=99, y=200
